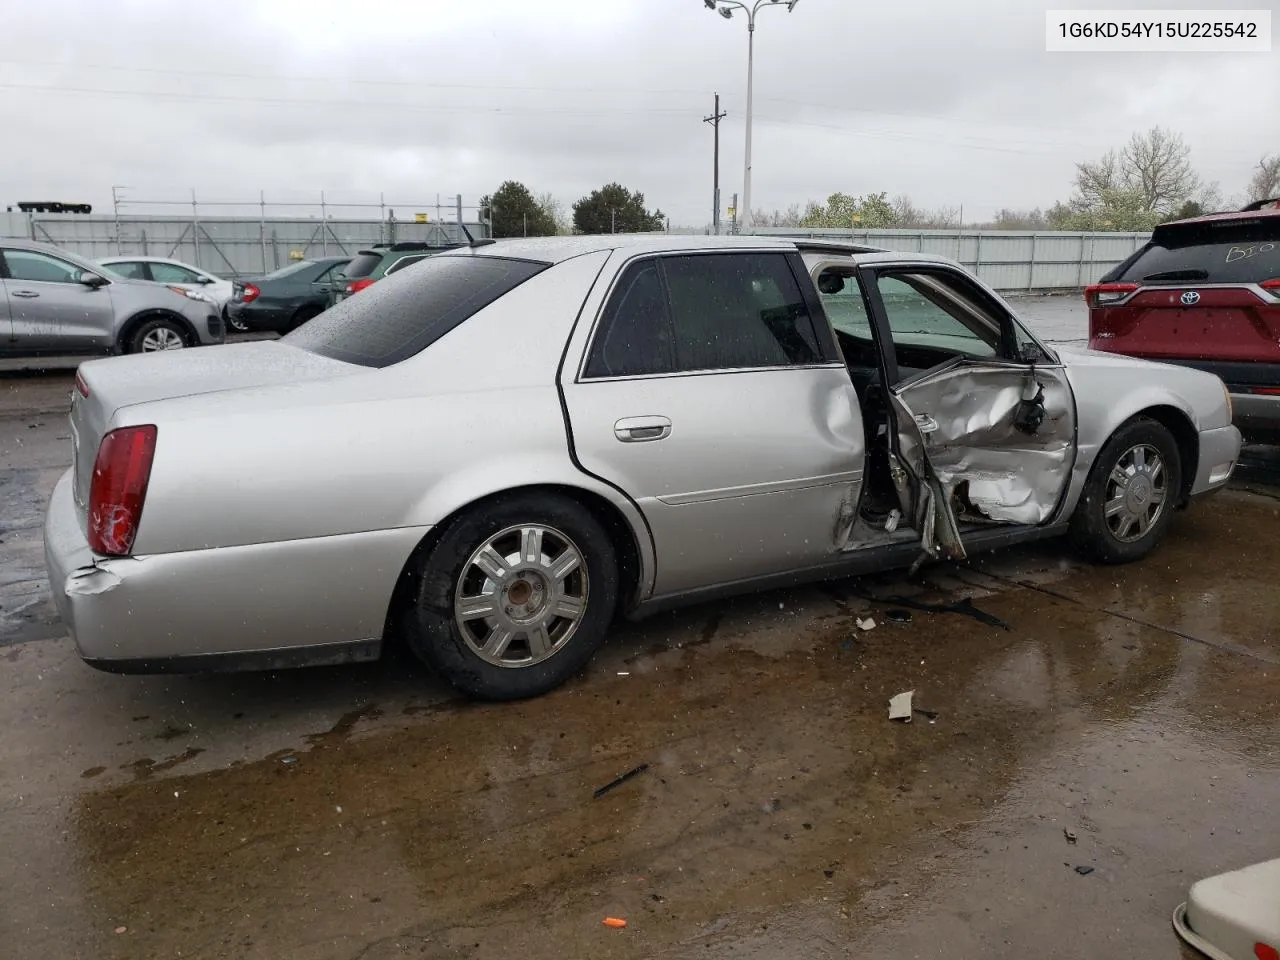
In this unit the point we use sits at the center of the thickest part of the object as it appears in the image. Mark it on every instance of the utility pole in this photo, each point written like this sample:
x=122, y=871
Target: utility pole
x=734, y=213
x=714, y=120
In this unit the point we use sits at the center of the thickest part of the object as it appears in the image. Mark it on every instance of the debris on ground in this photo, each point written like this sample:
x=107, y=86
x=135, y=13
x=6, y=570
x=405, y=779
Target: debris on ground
x=900, y=707
x=931, y=715
x=963, y=607
x=1071, y=837
x=867, y=624
x=288, y=759
x=1084, y=871
x=898, y=616
x=120, y=930
x=619, y=781
x=616, y=922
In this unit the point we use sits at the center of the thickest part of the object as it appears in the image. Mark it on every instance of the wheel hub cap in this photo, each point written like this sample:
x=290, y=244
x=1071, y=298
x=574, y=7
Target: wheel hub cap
x=521, y=595
x=1137, y=489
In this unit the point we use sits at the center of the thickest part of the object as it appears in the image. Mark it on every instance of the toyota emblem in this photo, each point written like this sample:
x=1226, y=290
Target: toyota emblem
x=1190, y=298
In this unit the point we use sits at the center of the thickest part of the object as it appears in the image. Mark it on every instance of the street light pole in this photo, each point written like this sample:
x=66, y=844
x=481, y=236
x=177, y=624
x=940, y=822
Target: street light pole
x=725, y=8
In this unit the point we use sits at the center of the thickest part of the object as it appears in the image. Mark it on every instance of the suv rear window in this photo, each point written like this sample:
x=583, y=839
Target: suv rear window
x=1222, y=252
x=404, y=314
x=364, y=263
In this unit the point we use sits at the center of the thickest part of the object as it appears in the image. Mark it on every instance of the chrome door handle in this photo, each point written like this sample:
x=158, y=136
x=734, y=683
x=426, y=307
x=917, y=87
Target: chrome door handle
x=640, y=429
x=926, y=423
x=25, y=294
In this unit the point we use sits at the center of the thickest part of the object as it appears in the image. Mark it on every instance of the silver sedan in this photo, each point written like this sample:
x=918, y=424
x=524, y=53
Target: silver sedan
x=491, y=454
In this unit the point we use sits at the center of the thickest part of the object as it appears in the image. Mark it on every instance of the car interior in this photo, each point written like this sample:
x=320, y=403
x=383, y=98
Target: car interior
x=932, y=323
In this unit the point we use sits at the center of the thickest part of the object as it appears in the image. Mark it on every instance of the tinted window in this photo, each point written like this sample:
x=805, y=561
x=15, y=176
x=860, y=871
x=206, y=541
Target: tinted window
x=404, y=262
x=398, y=317
x=635, y=331
x=328, y=273
x=928, y=311
x=738, y=310
x=169, y=273
x=1204, y=253
x=363, y=264
x=30, y=265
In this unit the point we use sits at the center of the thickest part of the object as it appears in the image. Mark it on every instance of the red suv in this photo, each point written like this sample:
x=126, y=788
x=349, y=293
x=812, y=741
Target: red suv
x=1204, y=293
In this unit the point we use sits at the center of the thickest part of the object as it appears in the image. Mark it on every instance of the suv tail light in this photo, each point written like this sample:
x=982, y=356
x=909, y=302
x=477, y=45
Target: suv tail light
x=120, y=476
x=250, y=294
x=355, y=286
x=1104, y=294
x=1272, y=285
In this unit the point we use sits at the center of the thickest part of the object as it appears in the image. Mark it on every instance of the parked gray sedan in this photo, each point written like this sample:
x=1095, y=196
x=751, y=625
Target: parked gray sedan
x=490, y=455
x=55, y=303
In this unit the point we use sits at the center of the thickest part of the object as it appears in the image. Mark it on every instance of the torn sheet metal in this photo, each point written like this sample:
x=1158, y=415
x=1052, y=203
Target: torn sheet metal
x=1003, y=448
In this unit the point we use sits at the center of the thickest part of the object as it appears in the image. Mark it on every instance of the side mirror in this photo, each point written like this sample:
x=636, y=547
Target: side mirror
x=204, y=280
x=91, y=279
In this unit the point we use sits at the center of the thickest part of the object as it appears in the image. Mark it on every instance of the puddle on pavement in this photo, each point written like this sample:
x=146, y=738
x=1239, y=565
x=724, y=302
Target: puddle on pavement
x=776, y=786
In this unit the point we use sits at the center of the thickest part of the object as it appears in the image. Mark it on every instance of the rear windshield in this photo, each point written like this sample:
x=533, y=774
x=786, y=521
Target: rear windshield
x=1228, y=252
x=365, y=262
x=402, y=315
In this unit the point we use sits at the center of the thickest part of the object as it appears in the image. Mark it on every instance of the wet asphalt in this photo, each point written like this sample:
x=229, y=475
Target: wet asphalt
x=1121, y=720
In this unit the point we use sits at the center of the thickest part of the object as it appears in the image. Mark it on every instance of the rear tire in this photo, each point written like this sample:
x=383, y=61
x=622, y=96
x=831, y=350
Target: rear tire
x=1130, y=495
x=233, y=323
x=515, y=597
x=158, y=334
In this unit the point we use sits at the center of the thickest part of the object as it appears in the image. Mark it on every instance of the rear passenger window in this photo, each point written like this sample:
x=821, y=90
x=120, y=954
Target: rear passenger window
x=707, y=312
x=1226, y=252
x=635, y=332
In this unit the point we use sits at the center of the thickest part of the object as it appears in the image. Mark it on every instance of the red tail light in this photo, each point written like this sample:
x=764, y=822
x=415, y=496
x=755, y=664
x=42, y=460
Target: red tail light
x=120, y=476
x=81, y=385
x=1105, y=294
x=1271, y=285
x=355, y=286
x=251, y=293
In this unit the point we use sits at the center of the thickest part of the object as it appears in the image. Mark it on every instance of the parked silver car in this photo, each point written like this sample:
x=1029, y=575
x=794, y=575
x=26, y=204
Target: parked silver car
x=493, y=453
x=55, y=303
x=173, y=273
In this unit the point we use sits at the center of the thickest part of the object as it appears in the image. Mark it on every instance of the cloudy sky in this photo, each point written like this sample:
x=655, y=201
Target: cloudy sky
x=954, y=103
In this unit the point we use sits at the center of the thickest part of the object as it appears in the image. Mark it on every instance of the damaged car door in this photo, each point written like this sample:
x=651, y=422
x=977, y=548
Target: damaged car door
x=985, y=417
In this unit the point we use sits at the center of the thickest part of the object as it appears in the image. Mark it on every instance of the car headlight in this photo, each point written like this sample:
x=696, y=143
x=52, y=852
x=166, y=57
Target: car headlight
x=192, y=294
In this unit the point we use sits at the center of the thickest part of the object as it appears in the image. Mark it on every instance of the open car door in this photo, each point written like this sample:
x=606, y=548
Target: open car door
x=984, y=415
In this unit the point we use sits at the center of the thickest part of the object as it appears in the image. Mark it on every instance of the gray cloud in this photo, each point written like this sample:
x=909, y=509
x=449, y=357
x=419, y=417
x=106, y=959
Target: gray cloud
x=950, y=103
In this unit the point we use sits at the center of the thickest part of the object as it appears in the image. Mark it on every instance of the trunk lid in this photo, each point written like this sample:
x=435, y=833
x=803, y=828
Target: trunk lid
x=119, y=382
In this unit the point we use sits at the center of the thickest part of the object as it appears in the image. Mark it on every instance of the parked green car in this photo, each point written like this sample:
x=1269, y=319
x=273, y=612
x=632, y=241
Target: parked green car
x=369, y=266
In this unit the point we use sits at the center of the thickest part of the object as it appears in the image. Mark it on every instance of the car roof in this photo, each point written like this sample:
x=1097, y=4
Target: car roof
x=139, y=258
x=556, y=249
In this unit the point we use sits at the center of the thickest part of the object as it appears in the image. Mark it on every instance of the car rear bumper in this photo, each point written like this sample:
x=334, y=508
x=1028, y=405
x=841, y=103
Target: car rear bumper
x=321, y=600
x=1257, y=415
x=1219, y=452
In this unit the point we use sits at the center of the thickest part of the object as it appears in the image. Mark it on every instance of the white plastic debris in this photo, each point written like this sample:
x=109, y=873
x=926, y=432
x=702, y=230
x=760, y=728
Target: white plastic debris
x=900, y=706
x=891, y=524
x=867, y=624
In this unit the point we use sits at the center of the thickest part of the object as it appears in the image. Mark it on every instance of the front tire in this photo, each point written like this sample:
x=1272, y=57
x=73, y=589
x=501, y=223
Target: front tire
x=1130, y=495
x=515, y=597
x=158, y=334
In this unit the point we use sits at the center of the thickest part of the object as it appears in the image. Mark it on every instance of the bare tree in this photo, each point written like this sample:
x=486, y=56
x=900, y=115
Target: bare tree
x=1265, y=182
x=790, y=217
x=554, y=209
x=1158, y=165
x=906, y=213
